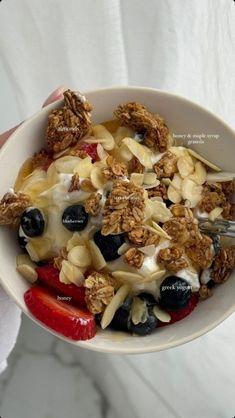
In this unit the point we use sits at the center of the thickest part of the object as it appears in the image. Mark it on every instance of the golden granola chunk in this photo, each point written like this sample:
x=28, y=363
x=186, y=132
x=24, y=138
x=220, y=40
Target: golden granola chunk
x=158, y=191
x=135, y=166
x=99, y=291
x=69, y=123
x=40, y=159
x=57, y=261
x=143, y=236
x=223, y=265
x=200, y=251
x=114, y=169
x=172, y=259
x=166, y=166
x=75, y=183
x=181, y=229
x=137, y=117
x=179, y=210
x=124, y=208
x=12, y=207
x=92, y=204
x=87, y=186
x=213, y=196
x=134, y=257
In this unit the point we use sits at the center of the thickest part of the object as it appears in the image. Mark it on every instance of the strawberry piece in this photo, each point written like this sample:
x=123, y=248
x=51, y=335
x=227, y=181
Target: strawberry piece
x=47, y=164
x=181, y=313
x=63, y=317
x=49, y=276
x=91, y=150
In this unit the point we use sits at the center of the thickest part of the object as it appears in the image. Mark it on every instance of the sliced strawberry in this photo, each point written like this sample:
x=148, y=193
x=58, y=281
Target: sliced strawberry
x=182, y=313
x=63, y=317
x=91, y=150
x=49, y=276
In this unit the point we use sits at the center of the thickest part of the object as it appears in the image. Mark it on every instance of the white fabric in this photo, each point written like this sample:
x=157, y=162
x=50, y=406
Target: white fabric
x=179, y=45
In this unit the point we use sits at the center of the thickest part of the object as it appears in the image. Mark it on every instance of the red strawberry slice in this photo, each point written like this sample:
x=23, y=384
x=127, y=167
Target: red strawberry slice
x=182, y=313
x=65, y=318
x=49, y=276
x=91, y=150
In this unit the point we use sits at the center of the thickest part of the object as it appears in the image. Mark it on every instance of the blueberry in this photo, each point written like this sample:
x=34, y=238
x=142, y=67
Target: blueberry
x=75, y=218
x=32, y=222
x=148, y=298
x=175, y=293
x=121, y=318
x=139, y=137
x=109, y=245
x=216, y=243
x=144, y=328
x=22, y=240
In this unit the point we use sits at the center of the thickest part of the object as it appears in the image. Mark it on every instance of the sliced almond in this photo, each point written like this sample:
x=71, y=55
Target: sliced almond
x=150, y=178
x=124, y=153
x=84, y=167
x=156, y=275
x=214, y=214
x=179, y=151
x=123, y=132
x=97, y=178
x=137, y=178
x=163, y=316
x=219, y=177
x=160, y=231
x=79, y=256
x=156, y=198
x=127, y=276
x=174, y=189
x=63, y=278
x=102, y=154
x=74, y=274
x=148, y=250
x=185, y=165
x=150, y=186
x=141, y=152
x=66, y=164
x=115, y=303
x=32, y=252
x=98, y=260
x=24, y=259
x=203, y=160
x=148, y=210
x=124, y=247
x=101, y=133
x=139, y=311
x=191, y=192
x=76, y=239
x=28, y=272
x=200, y=174
x=160, y=212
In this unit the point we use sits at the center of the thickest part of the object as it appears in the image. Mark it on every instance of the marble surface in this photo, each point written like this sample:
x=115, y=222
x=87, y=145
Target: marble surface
x=49, y=378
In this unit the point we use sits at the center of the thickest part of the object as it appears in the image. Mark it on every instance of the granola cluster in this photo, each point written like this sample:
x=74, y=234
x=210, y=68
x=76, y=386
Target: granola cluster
x=124, y=208
x=142, y=236
x=134, y=257
x=69, y=123
x=166, y=166
x=114, y=169
x=92, y=204
x=137, y=117
x=75, y=183
x=181, y=229
x=135, y=166
x=200, y=251
x=12, y=207
x=217, y=195
x=223, y=265
x=158, y=191
x=87, y=186
x=99, y=291
x=172, y=258
x=40, y=159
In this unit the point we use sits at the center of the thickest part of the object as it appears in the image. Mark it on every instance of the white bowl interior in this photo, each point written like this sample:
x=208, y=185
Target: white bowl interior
x=182, y=117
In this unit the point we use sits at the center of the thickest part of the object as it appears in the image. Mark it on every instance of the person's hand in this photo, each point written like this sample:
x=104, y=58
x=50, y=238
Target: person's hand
x=55, y=95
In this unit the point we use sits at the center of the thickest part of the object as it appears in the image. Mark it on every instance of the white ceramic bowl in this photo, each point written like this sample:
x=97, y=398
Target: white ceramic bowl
x=182, y=117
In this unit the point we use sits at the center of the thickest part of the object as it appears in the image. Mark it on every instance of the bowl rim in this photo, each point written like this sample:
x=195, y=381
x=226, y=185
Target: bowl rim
x=116, y=349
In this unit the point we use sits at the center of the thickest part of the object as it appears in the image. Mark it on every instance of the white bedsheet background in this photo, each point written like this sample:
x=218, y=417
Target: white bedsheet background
x=185, y=46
